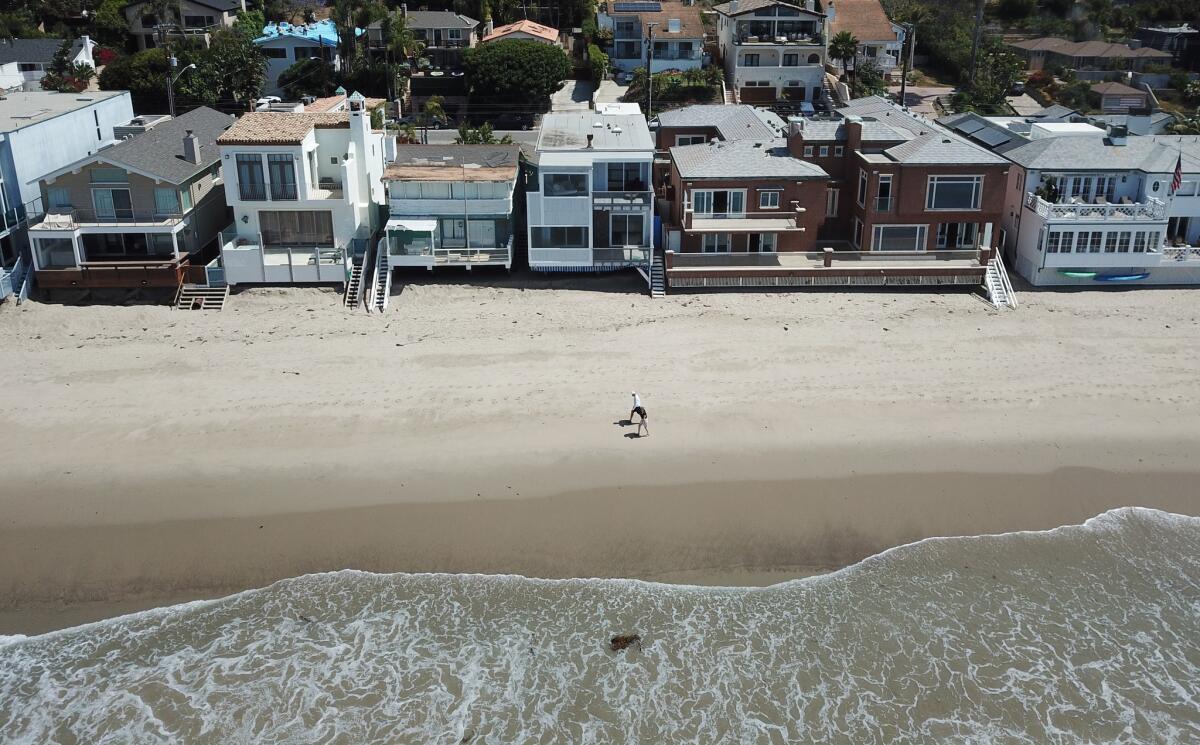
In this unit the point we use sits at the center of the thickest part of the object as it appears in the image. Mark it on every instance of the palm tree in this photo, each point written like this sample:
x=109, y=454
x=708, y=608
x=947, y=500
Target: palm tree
x=843, y=47
x=433, y=111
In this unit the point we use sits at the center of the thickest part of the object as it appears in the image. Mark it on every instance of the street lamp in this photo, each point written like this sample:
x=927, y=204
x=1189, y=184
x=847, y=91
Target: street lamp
x=174, y=62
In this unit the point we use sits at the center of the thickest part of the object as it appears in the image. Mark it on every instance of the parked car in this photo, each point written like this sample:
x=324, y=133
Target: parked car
x=418, y=120
x=624, y=78
x=512, y=121
x=1017, y=89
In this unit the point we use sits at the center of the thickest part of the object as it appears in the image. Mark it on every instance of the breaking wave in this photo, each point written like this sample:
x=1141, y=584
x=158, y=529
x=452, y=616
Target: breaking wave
x=1081, y=634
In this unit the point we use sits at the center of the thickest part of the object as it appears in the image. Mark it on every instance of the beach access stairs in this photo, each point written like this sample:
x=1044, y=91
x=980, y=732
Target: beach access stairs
x=354, y=285
x=656, y=278
x=382, y=289
x=211, y=295
x=996, y=283
x=15, y=282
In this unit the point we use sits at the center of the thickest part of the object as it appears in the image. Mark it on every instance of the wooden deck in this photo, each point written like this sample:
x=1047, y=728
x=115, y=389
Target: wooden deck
x=116, y=275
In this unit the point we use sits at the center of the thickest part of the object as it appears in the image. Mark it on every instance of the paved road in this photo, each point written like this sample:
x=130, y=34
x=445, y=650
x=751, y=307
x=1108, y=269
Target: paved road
x=610, y=92
x=446, y=136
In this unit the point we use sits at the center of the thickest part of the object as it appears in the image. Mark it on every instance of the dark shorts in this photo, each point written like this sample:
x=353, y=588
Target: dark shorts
x=640, y=411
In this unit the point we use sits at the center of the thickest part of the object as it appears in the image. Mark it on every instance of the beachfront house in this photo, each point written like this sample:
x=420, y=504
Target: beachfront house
x=1086, y=55
x=40, y=132
x=1100, y=208
x=880, y=42
x=284, y=44
x=873, y=196
x=305, y=190
x=590, y=206
x=677, y=30
x=135, y=215
x=450, y=205
x=773, y=50
x=24, y=62
x=193, y=21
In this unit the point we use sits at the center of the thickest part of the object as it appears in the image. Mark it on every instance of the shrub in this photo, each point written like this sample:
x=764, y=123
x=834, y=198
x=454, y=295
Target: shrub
x=597, y=63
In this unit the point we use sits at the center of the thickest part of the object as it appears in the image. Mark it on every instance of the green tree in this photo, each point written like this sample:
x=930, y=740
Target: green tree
x=143, y=75
x=232, y=68
x=522, y=74
x=250, y=24
x=843, y=47
x=65, y=76
x=1189, y=125
x=110, y=24
x=597, y=63
x=310, y=77
x=483, y=135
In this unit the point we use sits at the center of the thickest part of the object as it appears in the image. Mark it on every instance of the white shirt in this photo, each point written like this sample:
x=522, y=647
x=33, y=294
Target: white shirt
x=637, y=401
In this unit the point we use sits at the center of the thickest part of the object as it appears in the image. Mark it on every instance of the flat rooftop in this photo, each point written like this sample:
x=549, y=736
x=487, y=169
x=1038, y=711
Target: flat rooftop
x=454, y=163
x=609, y=131
x=26, y=108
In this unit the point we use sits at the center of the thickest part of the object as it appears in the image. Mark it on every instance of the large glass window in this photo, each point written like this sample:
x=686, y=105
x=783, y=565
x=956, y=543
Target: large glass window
x=626, y=230
x=565, y=184
x=899, y=238
x=768, y=200
x=58, y=198
x=567, y=237
x=283, y=176
x=251, y=184
x=296, y=228
x=625, y=177
x=715, y=243
x=112, y=204
x=954, y=192
x=166, y=202
x=763, y=242
x=454, y=232
x=719, y=203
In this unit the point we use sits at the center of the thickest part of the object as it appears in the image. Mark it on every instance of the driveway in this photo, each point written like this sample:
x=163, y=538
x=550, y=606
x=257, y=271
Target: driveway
x=575, y=95
x=920, y=98
x=1024, y=104
x=610, y=92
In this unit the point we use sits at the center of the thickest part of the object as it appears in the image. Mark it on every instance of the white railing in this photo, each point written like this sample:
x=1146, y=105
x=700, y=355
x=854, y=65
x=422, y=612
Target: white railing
x=1151, y=209
x=6, y=287
x=1010, y=297
x=1181, y=253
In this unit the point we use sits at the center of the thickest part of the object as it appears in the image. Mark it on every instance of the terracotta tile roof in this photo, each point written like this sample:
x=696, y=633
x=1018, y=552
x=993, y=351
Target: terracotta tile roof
x=322, y=105
x=527, y=27
x=271, y=128
x=863, y=18
x=691, y=24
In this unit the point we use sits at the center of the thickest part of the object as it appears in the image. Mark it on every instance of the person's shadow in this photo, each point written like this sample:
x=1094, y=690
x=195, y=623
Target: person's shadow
x=628, y=423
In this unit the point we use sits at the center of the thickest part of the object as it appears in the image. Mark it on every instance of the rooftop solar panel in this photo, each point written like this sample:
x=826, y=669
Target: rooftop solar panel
x=969, y=126
x=991, y=137
x=637, y=7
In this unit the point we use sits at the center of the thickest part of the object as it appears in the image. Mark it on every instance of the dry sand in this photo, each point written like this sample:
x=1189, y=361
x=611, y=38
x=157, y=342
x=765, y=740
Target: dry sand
x=153, y=455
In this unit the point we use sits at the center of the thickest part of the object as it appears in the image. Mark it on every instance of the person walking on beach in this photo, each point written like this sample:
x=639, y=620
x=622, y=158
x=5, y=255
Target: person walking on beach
x=641, y=412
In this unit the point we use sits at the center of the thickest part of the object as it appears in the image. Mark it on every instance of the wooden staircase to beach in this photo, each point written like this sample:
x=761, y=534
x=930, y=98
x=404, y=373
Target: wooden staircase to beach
x=658, y=277
x=201, y=297
x=383, y=281
x=996, y=283
x=354, y=286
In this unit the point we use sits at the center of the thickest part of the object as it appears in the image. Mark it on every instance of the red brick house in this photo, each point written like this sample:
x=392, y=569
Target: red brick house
x=902, y=198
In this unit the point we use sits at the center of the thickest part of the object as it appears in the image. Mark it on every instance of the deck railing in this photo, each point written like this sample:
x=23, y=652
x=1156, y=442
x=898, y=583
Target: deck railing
x=117, y=274
x=73, y=216
x=1151, y=209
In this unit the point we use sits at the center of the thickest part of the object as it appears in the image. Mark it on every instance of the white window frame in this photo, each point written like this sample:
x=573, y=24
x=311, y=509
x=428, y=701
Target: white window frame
x=838, y=151
x=612, y=216
x=832, y=197
x=862, y=187
x=685, y=140
x=712, y=201
x=823, y=151
x=922, y=236
x=763, y=240
x=808, y=151
x=768, y=200
x=716, y=243
x=930, y=191
x=856, y=234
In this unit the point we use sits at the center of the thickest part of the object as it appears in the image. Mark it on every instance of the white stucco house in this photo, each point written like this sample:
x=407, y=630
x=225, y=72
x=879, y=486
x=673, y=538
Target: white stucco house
x=305, y=189
x=24, y=62
x=285, y=44
x=773, y=50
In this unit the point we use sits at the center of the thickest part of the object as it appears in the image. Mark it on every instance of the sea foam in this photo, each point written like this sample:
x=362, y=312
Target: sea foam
x=1081, y=634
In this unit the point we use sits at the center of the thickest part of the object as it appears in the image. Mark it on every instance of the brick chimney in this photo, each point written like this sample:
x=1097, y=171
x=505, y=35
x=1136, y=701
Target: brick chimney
x=795, y=138
x=853, y=132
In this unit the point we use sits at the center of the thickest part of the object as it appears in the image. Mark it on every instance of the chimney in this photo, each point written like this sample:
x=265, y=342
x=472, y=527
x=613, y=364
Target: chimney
x=191, y=147
x=1118, y=134
x=403, y=10
x=853, y=132
x=795, y=137
x=830, y=12
x=733, y=6
x=590, y=138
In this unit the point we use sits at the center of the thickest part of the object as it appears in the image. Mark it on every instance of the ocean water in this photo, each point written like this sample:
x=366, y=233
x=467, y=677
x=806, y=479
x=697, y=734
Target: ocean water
x=1084, y=634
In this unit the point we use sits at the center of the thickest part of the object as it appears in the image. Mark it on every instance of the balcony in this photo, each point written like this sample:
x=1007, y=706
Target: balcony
x=328, y=188
x=779, y=221
x=632, y=198
x=246, y=260
x=62, y=219
x=884, y=204
x=252, y=192
x=1151, y=209
x=116, y=274
x=283, y=192
x=672, y=55
x=825, y=268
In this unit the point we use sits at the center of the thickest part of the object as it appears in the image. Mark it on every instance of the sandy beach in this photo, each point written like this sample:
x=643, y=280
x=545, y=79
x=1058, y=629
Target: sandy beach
x=152, y=456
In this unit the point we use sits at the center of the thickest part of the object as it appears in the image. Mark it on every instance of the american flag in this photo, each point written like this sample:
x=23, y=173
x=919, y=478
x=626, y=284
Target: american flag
x=1177, y=179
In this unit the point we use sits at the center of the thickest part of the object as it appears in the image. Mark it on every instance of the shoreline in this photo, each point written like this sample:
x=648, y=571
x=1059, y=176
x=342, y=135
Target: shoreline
x=711, y=533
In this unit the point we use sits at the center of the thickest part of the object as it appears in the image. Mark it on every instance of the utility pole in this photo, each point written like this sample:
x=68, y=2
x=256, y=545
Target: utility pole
x=650, y=71
x=975, y=40
x=910, y=38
